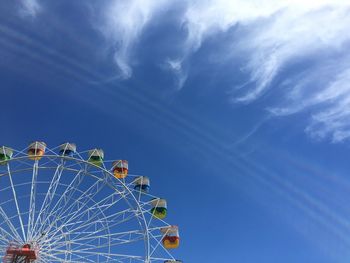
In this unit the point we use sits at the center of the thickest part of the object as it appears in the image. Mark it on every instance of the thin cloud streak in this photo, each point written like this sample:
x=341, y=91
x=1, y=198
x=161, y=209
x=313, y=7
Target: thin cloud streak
x=328, y=101
x=176, y=67
x=30, y=8
x=124, y=22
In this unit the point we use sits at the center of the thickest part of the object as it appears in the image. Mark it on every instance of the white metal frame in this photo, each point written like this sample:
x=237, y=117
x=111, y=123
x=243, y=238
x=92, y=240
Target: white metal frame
x=68, y=223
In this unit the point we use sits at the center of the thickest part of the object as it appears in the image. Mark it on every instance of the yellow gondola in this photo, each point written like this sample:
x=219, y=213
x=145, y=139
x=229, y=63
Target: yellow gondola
x=120, y=168
x=36, y=150
x=5, y=155
x=171, y=237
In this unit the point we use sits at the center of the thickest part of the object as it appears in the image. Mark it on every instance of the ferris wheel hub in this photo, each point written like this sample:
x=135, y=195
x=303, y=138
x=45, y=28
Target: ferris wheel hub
x=17, y=253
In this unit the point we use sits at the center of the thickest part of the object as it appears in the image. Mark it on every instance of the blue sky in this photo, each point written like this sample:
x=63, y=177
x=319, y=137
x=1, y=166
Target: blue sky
x=238, y=111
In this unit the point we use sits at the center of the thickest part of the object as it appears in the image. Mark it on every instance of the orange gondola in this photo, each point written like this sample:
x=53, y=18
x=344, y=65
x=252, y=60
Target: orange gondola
x=120, y=168
x=36, y=150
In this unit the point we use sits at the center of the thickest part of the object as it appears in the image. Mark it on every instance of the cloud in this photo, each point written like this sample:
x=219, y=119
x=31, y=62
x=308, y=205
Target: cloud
x=275, y=31
x=274, y=37
x=177, y=68
x=29, y=8
x=268, y=39
x=123, y=25
x=333, y=120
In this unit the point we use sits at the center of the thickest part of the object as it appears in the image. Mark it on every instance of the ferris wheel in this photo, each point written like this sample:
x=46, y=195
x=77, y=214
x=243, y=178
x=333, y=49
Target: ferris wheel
x=61, y=205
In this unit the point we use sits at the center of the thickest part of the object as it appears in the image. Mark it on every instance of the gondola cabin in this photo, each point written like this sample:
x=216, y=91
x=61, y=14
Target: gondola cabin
x=120, y=169
x=171, y=238
x=5, y=155
x=67, y=149
x=159, y=208
x=173, y=261
x=142, y=184
x=96, y=157
x=36, y=150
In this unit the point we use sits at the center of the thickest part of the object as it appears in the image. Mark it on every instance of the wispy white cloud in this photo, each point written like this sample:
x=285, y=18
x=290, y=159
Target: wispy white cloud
x=333, y=119
x=29, y=8
x=323, y=91
x=274, y=34
x=123, y=25
x=277, y=34
x=276, y=31
x=176, y=67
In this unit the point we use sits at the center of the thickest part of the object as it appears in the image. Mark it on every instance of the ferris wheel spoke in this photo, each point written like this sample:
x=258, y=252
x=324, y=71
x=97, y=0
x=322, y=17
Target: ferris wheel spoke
x=3, y=247
x=10, y=225
x=113, y=238
x=160, y=259
x=72, y=221
x=16, y=202
x=55, y=258
x=85, y=246
x=75, y=244
x=158, y=242
x=31, y=213
x=73, y=253
x=5, y=236
x=126, y=236
x=44, y=259
x=50, y=194
x=156, y=245
x=85, y=226
x=96, y=253
x=99, y=207
x=109, y=241
x=113, y=222
x=89, y=193
x=113, y=242
x=65, y=197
